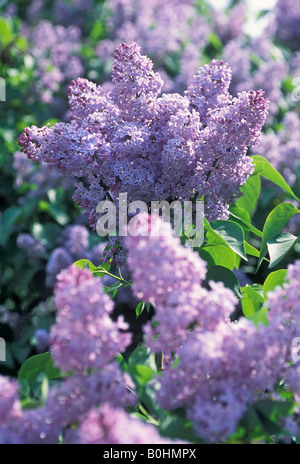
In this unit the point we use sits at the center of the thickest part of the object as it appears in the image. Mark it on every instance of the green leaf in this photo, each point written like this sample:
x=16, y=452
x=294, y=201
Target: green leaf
x=8, y=220
x=274, y=224
x=113, y=288
x=215, y=41
x=177, y=426
x=142, y=374
x=260, y=317
x=275, y=279
x=142, y=355
x=270, y=173
x=6, y=35
x=218, y=255
x=148, y=396
x=34, y=366
x=98, y=30
x=233, y=235
x=251, y=250
x=252, y=301
x=85, y=264
x=46, y=233
x=279, y=246
x=251, y=191
x=140, y=308
x=141, y=365
x=56, y=211
x=275, y=410
x=245, y=224
x=251, y=425
x=242, y=214
x=222, y=274
x=102, y=269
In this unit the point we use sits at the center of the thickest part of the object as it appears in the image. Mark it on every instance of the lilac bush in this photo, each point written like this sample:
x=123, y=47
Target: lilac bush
x=131, y=139
x=147, y=337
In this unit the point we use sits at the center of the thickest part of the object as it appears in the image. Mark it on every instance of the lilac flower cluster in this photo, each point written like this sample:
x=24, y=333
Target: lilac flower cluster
x=162, y=29
x=84, y=335
x=73, y=245
x=173, y=283
x=39, y=176
x=42, y=340
x=111, y=426
x=268, y=73
x=131, y=139
x=222, y=367
x=67, y=403
x=282, y=149
x=56, y=51
x=287, y=23
x=229, y=25
x=33, y=247
x=62, y=12
x=83, y=340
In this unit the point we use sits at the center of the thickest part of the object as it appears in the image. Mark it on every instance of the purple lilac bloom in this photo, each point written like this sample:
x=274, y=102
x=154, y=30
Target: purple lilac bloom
x=84, y=335
x=68, y=402
x=267, y=75
x=42, y=340
x=38, y=175
x=56, y=50
x=131, y=139
x=34, y=248
x=64, y=12
x=8, y=399
x=220, y=372
x=73, y=245
x=220, y=368
x=59, y=259
x=238, y=58
x=107, y=425
x=170, y=276
x=287, y=23
x=72, y=12
x=229, y=25
x=76, y=240
x=295, y=64
x=162, y=29
x=282, y=149
x=23, y=168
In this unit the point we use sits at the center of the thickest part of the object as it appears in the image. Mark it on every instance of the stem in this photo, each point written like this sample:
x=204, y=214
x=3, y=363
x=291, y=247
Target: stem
x=159, y=357
x=125, y=282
